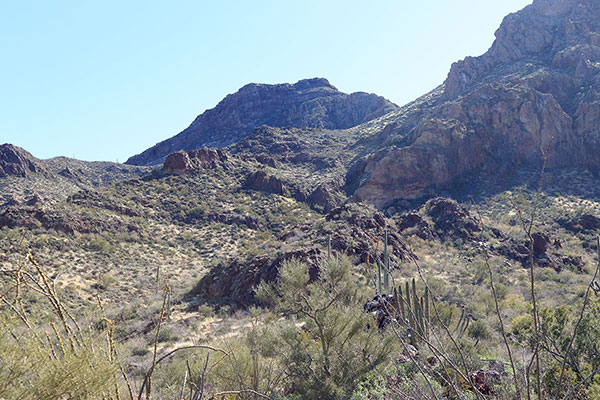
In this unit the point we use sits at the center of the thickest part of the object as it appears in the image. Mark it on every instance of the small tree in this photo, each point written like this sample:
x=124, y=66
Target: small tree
x=325, y=345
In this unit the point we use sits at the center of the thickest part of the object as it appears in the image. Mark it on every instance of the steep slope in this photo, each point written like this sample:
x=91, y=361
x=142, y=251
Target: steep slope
x=309, y=103
x=537, y=87
x=15, y=161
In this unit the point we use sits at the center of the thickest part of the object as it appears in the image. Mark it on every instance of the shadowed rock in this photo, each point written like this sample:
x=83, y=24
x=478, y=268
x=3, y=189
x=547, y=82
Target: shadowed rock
x=263, y=182
x=17, y=162
x=187, y=162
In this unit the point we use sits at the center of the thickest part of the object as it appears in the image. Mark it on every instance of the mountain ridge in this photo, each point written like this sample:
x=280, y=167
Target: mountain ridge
x=536, y=87
x=309, y=103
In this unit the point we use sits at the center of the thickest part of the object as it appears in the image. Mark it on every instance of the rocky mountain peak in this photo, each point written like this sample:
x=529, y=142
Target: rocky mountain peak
x=302, y=85
x=18, y=162
x=309, y=103
x=562, y=33
x=306, y=84
x=538, y=86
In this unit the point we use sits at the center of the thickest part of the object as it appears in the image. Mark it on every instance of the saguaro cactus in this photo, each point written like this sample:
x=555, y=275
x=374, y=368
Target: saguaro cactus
x=386, y=264
x=383, y=286
x=414, y=310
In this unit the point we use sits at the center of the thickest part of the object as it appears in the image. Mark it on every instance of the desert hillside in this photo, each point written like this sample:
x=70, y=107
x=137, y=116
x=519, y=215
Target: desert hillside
x=298, y=242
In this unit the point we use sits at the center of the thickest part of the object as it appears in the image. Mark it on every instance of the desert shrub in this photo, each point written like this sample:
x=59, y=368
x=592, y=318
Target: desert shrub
x=253, y=362
x=372, y=387
x=551, y=383
x=324, y=345
x=34, y=368
x=98, y=244
x=522, y=325
x=587, y=343
x=205, y=311
x=44, y=353
x=167, y=334
x=478, y=330
x=106, y=281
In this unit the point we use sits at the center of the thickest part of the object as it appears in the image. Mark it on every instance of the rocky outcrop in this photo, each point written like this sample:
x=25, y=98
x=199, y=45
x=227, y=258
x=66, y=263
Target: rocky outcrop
x=68, y=173
x=546, y=253
x=183, y=162
x=17, y=162
x=308, y=103
x=412, y=223
x=354, y=231
x=440, y=218
x=33, y=217
x=451, y=219
x=581, y=223
x=325, y=197
x=359, y=229
x=493, y=129
x=263, y=182
x=318, y=149
x=538, y=87
x=233, y=284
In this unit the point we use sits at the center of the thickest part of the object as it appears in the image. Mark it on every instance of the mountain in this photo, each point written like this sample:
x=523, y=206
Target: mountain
x=537, y=87
x=15, y=161
x=309, y=103
x=25, y=178
x=442, y=192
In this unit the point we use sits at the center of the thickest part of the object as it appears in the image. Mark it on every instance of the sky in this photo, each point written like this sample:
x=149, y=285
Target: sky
x=104, y=80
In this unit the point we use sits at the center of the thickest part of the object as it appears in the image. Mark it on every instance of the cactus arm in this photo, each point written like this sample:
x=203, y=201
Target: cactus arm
x=386, y=269
x=379, y=278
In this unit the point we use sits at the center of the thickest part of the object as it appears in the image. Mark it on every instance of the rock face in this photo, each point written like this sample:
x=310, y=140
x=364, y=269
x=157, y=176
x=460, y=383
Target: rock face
x=263, y=182
x=18, y=162
x=183, y=162
x=308, y=103
x=537, y=87
x=234, y=283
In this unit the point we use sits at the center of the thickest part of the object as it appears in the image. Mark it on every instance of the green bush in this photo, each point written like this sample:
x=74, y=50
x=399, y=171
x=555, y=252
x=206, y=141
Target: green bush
x=324, y=346
x=36, y=368
x=98, y=244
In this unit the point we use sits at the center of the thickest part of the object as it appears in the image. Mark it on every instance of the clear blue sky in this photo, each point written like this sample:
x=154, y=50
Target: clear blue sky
x=103, y=80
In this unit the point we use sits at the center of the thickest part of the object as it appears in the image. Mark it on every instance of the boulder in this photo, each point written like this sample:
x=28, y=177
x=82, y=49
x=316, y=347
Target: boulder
x=451, y=219
x=263, y=182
